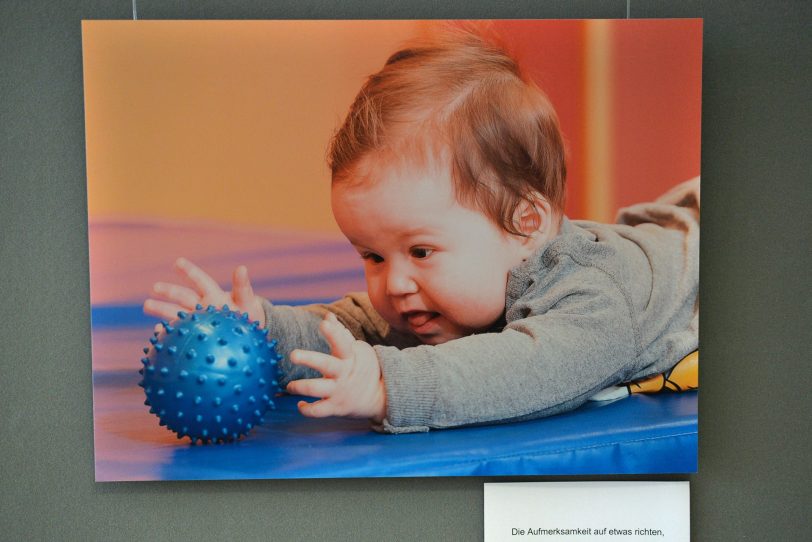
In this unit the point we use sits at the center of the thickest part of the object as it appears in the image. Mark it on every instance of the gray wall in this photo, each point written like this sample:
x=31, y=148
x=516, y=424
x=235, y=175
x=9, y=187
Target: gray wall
x=754, y=422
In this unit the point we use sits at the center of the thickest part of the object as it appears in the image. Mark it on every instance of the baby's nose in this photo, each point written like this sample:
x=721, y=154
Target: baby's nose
x=399, y=283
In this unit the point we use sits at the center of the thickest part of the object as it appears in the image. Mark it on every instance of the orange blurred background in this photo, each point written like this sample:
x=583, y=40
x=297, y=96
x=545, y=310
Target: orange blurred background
x=228, y=121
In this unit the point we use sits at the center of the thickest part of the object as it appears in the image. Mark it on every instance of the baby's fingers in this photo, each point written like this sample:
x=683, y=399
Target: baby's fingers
x=326, y=364
x=179, y=295
x=162, y=309
x=319, y=409
x=312, y=387
x=204, y=285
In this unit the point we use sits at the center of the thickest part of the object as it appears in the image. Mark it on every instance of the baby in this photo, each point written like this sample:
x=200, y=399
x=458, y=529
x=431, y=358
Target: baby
x=484, y=303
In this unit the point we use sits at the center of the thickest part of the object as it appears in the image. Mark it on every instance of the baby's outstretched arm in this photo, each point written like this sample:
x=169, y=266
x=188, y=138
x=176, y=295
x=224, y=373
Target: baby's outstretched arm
x=166, y=299
x=351, y=384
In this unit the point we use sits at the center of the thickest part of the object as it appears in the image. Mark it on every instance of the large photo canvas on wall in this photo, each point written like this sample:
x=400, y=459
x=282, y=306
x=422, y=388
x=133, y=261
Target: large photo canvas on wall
x=207, y=142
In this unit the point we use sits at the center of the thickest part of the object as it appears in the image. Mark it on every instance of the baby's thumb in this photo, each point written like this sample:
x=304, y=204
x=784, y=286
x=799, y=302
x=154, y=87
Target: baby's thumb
x=243, y=295
x=338, y=337
x=242, y=292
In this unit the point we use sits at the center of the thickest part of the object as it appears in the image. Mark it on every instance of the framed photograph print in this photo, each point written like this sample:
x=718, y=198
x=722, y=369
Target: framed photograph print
x=325, y=249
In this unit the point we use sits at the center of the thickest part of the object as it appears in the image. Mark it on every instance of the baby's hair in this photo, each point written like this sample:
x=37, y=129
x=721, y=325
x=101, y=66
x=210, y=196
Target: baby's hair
x=459, y=99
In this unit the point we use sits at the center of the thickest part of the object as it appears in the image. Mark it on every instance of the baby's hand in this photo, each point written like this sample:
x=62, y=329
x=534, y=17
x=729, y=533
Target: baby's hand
x=351, y=384
x=167, y=299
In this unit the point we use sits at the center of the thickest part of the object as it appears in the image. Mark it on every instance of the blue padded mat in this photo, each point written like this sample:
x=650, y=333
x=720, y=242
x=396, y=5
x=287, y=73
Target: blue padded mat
x=639, y=434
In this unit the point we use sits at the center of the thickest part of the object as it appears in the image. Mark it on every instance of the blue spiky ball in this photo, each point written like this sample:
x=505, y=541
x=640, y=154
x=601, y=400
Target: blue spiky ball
x=210, y=375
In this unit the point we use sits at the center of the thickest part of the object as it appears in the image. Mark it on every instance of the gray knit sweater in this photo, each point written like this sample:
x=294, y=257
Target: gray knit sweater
x=597, y=306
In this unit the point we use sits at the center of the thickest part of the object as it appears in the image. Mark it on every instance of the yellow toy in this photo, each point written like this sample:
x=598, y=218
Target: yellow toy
x=684, y=376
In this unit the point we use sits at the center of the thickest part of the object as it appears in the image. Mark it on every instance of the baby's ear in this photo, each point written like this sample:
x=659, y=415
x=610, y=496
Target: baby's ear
x=533, y=215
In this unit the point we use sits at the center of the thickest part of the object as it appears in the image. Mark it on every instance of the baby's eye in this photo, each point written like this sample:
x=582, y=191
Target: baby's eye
x=421, y=252
x=371, y=256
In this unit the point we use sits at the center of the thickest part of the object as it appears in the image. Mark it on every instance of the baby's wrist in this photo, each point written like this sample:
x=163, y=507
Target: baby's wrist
x=379, y=410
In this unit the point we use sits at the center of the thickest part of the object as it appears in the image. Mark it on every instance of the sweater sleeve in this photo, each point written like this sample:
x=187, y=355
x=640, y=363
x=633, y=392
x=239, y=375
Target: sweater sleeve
x=356, y=313
x=298, y=327
x=293, y=327
x=558, y=349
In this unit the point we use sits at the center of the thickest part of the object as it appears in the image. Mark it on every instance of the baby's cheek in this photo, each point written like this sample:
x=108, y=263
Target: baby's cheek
x=374, y=289
x=485, y=308
x=380, y=302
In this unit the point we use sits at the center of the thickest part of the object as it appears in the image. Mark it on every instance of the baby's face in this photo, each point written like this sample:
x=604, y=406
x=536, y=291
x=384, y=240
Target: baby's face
x=434, y=268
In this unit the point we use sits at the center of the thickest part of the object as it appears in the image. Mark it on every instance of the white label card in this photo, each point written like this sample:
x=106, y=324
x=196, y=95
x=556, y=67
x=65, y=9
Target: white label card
x=586, y=511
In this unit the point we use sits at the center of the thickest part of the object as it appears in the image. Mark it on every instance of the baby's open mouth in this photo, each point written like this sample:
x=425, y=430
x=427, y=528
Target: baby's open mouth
x=417, y=319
